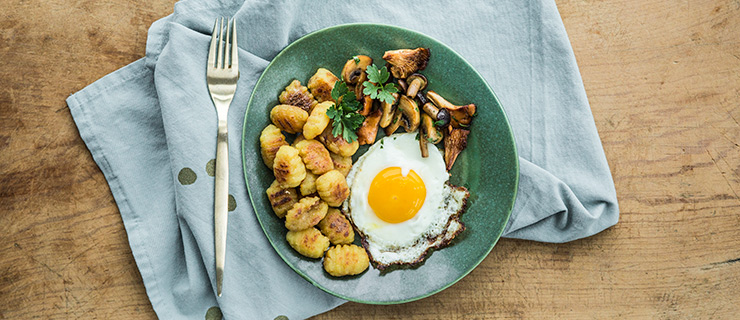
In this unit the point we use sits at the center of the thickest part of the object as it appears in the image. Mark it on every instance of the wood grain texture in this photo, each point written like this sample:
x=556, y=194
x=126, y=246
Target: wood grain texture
x=663, y=80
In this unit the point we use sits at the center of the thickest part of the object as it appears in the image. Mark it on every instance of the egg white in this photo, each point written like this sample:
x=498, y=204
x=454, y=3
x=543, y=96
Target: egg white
x=405, y=242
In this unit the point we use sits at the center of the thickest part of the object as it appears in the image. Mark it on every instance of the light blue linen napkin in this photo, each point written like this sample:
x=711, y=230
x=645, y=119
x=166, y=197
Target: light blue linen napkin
x=151, y=126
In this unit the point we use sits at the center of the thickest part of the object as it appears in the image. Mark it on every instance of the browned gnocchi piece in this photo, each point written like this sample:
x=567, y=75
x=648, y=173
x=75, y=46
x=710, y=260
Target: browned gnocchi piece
x=337, y=144
x=281, y=199
x=305, y=214
x=308, y=186
x=288, y=167
x=346, y=260
x=342, y=164
x=332, y=188
x=321, y=84
x=309, y=242
x=295, y=94
x=288, y=118
x=271, y=139
x=315, y=156
x=336, y=227
x=317, y=121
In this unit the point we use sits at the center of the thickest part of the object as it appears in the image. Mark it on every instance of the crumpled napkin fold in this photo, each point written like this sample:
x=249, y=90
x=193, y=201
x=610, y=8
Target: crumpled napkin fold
x=151, y=126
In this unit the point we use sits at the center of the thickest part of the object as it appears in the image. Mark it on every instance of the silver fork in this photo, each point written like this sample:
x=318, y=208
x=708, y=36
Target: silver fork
x=222, y=73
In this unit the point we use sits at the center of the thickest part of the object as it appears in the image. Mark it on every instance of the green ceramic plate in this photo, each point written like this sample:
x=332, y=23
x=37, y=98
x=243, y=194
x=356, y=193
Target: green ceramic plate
x=488, y=167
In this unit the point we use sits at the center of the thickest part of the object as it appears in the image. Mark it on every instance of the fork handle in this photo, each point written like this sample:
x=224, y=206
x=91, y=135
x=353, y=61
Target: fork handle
x=221, y=200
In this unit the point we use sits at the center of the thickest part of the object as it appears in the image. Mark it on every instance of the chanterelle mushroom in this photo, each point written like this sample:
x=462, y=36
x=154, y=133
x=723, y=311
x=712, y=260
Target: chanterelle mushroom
x=461, y=116
x=368, y=131
x=404, y=62
x=455, y=142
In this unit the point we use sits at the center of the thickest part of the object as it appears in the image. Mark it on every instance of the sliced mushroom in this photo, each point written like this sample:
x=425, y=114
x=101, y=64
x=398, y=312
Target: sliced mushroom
x=395, y=122
x=423, y=144
x=388, y=109
x=411, y=113
x=460, y=116
x=432, y=133
x=403, y=85
x=416, y=82
x=367, y=105
x=359, y=87
x=455, y=142
x=369, y=130
x=404, y=62
x=354, y=69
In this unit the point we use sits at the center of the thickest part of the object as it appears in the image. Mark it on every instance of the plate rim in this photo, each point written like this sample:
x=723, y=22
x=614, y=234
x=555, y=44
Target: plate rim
x=252, y=200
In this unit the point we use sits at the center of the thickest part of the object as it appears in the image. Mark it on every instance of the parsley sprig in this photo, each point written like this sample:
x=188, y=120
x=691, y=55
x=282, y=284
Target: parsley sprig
x=375, y=86
x=343, y=112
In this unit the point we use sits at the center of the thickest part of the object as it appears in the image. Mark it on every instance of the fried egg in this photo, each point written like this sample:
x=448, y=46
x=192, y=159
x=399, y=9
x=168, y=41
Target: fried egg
x=401, y=203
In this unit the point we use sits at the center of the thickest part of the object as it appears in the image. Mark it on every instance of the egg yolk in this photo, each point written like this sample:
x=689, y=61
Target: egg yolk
x=395, y=198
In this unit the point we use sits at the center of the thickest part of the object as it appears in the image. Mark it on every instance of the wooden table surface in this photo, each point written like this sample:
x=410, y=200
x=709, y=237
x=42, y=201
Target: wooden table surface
x=663, y=80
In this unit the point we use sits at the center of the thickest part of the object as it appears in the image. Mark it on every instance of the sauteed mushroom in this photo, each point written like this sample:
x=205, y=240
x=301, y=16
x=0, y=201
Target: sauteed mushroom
x=461, y=116
x=455, y=142
x=395, y=122
x=404, y=62
x=388, y=109
x=411, y=113
x=369, y=130
x=441, y=117
x=433, y=134
x=416, y=82
x=355, y=68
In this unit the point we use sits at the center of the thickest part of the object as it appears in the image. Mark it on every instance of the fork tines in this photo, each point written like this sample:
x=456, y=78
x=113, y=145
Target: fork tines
x=222, y=41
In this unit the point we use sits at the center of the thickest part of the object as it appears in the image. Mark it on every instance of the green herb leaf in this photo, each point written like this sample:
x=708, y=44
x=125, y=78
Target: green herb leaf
x=345, y=119
x=376, y=87
x=386, y=97
x=391, y=87
x=436, y=123
x=332, y=112
x=371, y=89
x=376, y=75
x=340, y=89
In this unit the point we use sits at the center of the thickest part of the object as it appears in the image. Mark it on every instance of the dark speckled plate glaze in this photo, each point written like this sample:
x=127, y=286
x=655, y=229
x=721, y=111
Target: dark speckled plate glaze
x=489, y=166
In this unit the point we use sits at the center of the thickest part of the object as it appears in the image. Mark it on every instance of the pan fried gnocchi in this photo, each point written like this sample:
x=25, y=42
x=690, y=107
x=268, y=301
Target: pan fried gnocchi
x=337, y=144
x=281, y=199
x=295, y=94
x=271, y=140
x=310, y=165
x=321, y=84
x=308, y=186
x=346, y=260
x=342, y=164
x=309, y=242
x=332, y=188
x=315, y=156
x=317, y=121
x=336, y=227
x=305, y=214
x=288, y=118
x=288, y=167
